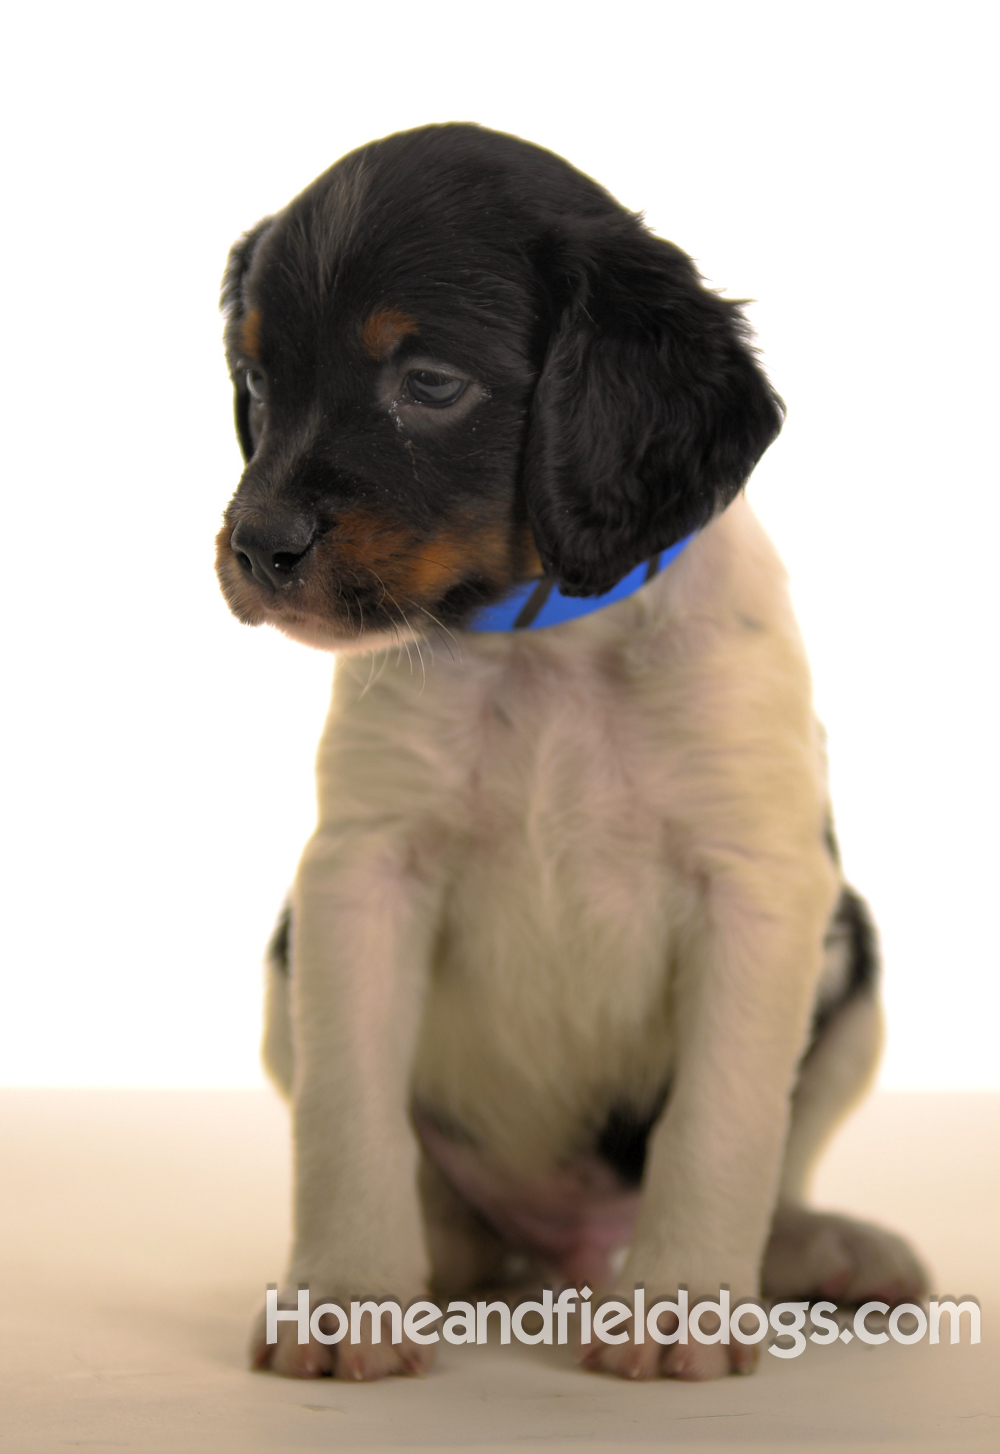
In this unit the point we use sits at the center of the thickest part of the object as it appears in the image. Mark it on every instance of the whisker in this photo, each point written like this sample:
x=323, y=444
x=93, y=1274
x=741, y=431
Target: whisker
x=423, y=666
x=441, y=626
x=385, y=663
x=371, y=673
x=416, y=642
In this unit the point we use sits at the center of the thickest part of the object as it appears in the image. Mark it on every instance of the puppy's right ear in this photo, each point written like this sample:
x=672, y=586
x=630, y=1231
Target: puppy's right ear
x=234, y=309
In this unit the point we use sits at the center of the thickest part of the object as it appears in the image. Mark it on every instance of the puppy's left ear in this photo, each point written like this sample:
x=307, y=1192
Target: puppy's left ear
x=650, y=410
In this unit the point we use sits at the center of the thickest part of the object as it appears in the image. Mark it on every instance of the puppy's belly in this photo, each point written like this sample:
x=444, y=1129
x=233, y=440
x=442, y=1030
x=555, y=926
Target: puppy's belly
x=574, y=1216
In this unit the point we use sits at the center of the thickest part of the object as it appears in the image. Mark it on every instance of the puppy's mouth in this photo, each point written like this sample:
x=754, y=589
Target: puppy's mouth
x=363, y=583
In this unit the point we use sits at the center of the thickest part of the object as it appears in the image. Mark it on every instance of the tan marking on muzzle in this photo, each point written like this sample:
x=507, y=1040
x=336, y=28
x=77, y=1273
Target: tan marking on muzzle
x=363, y=551
x=438, y=564
x=417, y=568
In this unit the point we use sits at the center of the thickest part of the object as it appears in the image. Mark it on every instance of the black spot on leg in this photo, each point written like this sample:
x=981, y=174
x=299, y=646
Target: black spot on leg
x=851, y=951
x=855, y=917
x=278, y=944
x=624, y=1137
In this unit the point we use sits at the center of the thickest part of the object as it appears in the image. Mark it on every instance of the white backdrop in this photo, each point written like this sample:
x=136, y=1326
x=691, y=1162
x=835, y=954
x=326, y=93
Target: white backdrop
x=832, y=161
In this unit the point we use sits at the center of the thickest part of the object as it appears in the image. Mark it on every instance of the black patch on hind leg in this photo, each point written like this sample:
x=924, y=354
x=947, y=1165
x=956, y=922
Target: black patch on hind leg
x=853, y=962
x=855, y=915
x=623, y=1139
x=278, y=944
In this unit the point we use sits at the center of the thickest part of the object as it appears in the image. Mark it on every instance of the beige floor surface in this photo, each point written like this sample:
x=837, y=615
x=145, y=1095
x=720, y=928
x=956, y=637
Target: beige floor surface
x=139, y=1229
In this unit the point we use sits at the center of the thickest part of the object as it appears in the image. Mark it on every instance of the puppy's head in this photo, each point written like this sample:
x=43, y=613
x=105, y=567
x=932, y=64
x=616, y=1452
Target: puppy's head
x=459, y=364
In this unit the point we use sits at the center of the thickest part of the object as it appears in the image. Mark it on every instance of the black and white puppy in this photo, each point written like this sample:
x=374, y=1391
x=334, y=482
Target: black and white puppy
x=568, y=965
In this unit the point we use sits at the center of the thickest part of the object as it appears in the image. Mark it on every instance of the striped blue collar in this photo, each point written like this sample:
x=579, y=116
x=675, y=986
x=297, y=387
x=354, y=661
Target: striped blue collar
x=536, y=604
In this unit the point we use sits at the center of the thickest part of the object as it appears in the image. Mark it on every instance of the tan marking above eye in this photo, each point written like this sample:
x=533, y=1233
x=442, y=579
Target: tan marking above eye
x=383, y=329
x=250, y=334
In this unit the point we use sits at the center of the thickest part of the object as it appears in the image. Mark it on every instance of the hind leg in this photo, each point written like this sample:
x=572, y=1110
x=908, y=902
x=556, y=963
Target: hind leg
x=821, y=1254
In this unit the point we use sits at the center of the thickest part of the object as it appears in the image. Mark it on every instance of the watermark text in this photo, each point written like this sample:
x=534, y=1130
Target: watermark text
x=787, y=1325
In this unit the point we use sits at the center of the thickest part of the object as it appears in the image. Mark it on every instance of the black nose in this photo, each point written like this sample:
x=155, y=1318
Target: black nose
x=271, y=553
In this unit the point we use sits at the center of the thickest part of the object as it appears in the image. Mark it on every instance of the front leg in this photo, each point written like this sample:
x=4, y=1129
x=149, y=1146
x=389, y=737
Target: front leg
x=743, y=995
x=363, y=918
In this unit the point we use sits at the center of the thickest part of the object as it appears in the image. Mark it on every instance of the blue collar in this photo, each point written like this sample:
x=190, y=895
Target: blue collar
x=541, y=603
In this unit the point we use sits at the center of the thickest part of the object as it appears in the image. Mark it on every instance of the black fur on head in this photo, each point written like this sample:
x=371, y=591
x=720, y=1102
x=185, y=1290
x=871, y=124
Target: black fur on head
x=609, y=403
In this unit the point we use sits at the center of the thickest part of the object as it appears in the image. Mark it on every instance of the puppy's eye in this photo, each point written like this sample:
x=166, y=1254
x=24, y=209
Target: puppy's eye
x=257, y=385
x=438, y=390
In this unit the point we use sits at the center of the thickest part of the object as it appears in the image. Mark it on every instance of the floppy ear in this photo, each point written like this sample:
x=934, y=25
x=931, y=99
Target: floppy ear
x=233, y=305
x=649, y=413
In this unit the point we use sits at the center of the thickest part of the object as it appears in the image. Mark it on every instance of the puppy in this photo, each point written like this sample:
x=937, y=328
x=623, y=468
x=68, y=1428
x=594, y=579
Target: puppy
x=568, y=966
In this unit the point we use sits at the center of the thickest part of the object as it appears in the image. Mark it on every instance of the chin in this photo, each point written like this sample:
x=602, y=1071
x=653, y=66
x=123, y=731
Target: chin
x=328, y=636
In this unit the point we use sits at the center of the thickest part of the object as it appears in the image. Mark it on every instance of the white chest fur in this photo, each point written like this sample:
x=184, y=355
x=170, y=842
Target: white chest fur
x=568, y=793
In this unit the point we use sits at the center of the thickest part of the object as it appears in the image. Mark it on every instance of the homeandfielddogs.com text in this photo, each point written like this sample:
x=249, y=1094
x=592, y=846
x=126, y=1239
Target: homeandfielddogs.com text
x=786, y=1324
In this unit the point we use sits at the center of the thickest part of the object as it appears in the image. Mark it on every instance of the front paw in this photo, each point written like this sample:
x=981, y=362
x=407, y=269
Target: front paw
x=361, y=1362
x=692, y=1361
